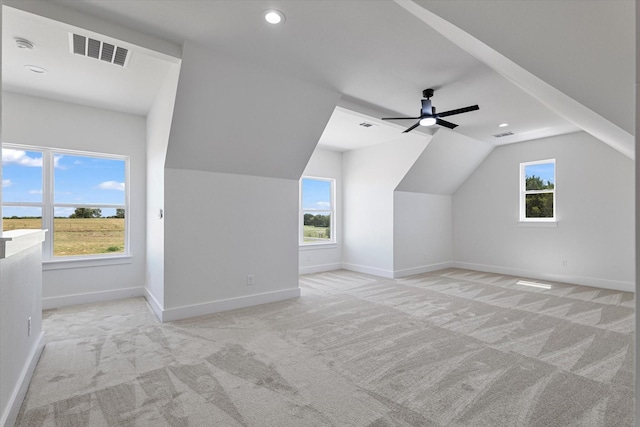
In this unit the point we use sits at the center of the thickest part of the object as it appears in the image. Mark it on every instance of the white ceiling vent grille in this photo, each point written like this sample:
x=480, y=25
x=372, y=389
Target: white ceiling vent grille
x=502, y=135
x=85, y=46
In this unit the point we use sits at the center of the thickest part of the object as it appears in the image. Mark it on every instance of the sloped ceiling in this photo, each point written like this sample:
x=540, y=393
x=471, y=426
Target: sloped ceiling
x=234, y=117
x=380, y=54
x=445, y=164
x=553, y=39
x=586, y=49
x=374, y=52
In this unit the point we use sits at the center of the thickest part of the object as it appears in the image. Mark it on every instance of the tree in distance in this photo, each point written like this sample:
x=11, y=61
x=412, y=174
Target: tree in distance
x=317, y=220
x=86, y=213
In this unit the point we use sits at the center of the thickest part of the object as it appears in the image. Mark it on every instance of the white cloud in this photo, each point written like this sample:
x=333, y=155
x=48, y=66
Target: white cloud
x=323, y=204
x=35, y=191
x=111, y=185
x=6, y=183
x=19, y=157
x=56, y=160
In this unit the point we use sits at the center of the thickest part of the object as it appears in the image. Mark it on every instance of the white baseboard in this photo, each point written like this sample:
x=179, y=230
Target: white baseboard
x=563, y=278
x=90, y=297
x=153, y=303
x=211, y=307
x=368, y=270
x=422, y=269
x=21, y=387
x=310, y=269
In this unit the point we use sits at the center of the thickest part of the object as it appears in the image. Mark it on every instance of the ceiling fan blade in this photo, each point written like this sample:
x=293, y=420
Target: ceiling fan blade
x=400, y=118
x=446, y=124
x=427, y=110
x=412, y=127
x=458, y=111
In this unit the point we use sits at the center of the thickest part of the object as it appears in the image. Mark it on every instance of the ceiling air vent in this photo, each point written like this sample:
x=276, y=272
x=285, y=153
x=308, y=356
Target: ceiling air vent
x=502, y=135
x=85, y=46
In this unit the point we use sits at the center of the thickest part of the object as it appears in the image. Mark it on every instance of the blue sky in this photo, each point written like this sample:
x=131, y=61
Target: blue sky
x=77, y=179
x=542, y=170
x=316, y=194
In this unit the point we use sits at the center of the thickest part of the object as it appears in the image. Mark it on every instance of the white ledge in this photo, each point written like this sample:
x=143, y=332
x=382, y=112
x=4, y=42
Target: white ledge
x=14, y=241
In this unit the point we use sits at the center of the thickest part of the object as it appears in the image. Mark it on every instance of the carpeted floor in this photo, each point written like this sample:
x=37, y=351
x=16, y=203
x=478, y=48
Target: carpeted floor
x=449, y=348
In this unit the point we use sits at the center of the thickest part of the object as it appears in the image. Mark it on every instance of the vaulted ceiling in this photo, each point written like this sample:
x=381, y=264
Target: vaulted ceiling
x=379, y=55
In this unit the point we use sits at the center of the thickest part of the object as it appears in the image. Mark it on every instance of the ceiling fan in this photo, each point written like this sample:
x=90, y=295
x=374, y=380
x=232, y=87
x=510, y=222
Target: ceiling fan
x=428, y=115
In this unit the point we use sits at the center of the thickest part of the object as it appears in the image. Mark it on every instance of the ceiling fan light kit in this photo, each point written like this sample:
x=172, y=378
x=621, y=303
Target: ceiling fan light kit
x=429, y=116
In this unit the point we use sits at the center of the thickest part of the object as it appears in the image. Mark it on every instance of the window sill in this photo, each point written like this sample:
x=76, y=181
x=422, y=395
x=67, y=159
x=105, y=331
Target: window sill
x=313, y=246
x=547, y=224
x=61, y=264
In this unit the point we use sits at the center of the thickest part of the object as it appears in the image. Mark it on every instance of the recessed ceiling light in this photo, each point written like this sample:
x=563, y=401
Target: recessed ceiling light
x=503, y=125
x=35, y=69
x=274, y=16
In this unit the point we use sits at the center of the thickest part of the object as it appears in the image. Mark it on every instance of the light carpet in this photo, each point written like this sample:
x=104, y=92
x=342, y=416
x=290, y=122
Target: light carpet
x=448, y=348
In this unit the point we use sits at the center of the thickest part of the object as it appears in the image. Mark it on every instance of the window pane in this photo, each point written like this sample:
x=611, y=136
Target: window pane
x=317, y=227
x=16, y=217
x=21, y=176
x=88, y=231
x=539, y=205
x=316, y=194
x=539, y=176
x=89, y=180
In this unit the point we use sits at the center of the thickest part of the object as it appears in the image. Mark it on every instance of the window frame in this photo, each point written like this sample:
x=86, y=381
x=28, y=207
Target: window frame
x=332, y=212
x=524, y=192
x=48, y=206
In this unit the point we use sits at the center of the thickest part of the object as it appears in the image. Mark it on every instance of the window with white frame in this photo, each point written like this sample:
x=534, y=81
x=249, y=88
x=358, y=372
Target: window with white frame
x=317, y=211
x=81, y=198
x=538, y=190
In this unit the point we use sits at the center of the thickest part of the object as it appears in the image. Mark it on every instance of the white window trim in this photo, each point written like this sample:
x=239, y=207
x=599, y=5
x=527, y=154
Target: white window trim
x=523, y=192
x=333, y=240
x=51, y=262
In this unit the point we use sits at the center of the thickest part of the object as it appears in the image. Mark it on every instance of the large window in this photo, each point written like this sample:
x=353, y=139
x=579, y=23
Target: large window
x=81, y=198
x=317, y=216
x=538, y=190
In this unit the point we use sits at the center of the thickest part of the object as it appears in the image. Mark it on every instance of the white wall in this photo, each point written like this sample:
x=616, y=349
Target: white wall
x=595, y=210
x=314, y=258
x=422, y=233
x=42, y=122
x=219, y=228
x=158, y=128
x=20, y=299
x=370, y=176
x=238, y=144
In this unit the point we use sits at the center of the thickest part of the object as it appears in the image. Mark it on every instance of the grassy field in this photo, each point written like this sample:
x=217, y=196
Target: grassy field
x=315, y=234
x=86, y=236
x=78, y=236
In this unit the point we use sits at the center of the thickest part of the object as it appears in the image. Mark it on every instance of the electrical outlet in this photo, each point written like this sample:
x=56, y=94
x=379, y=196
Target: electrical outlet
x=565, y=263
x=29, y=326
x=250, y=279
